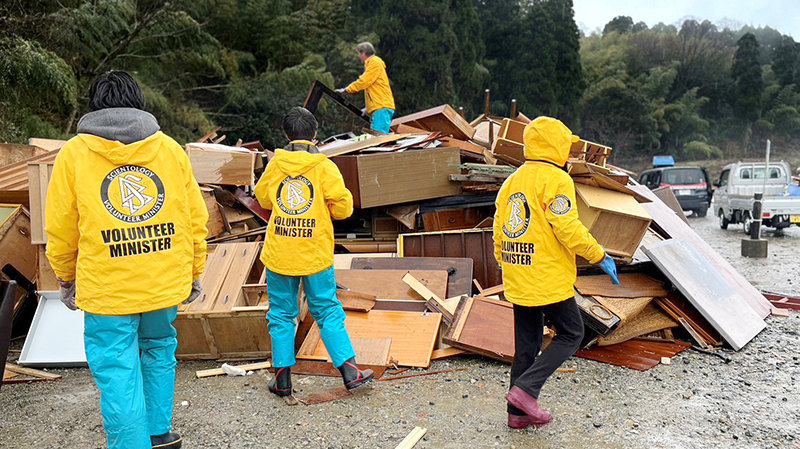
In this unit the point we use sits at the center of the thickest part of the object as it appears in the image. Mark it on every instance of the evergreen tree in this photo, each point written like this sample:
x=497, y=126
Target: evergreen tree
x=620, y=24
x=748, y=84
x=786, y=61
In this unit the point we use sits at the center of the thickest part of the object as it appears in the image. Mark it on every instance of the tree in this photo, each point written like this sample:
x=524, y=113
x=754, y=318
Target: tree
x=619, y=24
x=748, y=84
x=786, y=61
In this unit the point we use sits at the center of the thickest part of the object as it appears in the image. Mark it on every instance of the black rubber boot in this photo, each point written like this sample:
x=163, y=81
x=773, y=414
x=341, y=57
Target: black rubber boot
x=281, y=384
x=169, y=440
x=352, y=376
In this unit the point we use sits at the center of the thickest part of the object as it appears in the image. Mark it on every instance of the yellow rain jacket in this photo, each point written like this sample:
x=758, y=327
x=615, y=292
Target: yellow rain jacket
x=536, y=228
x=126, y=222
x=375, y=84
x=304, y=191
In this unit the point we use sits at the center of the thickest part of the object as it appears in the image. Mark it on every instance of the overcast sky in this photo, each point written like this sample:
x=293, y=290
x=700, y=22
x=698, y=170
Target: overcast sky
x=782, y=15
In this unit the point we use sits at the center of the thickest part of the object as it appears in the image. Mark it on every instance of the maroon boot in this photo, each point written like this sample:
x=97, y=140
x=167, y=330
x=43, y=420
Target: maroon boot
x=521, y=421
x=528, y=404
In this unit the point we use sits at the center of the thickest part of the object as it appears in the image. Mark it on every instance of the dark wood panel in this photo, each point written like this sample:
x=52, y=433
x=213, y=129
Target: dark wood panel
x=459, y=270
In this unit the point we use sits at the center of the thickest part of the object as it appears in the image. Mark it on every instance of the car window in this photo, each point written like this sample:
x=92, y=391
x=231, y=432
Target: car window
x=723, y=178
x=684, y=176
x=758, y=173
x=746, y=173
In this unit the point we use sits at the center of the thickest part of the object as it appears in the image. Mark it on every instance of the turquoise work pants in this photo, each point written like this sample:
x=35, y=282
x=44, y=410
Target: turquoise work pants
x=324, y=306
x=132, y=359
x=381, y=119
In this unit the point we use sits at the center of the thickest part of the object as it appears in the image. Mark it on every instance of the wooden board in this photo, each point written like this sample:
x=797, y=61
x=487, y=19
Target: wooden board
x=11, y=153
x=463, y=145
x=241, y=333
x=413, y=335
x=607, y=182
x=459, y=270
x=679, y=309
x=666, y=195
x=615, y=219
x=388, y=284
x=442, y=118
x=636, y=354
x=45, y=277
x=15, y=244
x=372, y=351
x=394, y=178
x=452, y=219
x=483, y=326
x=672, y=226
x=435, y=303
x=339, y=148
x=356, y=301
x=321, y=368
x=38, y=181
x=476, y=244
x=218, y=164
x=719, y=302
x=245, y=259
x=14, y=177
x=47, y=144
x=216, y=222
x=590, y=152
x=631, y=285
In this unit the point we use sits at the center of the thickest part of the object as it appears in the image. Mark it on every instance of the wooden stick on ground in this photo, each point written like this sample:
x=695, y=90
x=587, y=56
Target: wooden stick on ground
x=219, y=372
x=421, y=374
x=31, y=372
x=412, y=438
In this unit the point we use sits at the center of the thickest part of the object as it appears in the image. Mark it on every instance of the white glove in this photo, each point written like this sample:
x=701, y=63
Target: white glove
x=67, y=293
x=197, y=288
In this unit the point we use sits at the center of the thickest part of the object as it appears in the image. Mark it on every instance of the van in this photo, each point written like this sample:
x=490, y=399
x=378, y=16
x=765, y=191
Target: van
x=691, y=185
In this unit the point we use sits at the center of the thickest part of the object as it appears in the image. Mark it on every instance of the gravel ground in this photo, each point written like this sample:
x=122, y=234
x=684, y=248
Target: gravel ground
x=698, y=401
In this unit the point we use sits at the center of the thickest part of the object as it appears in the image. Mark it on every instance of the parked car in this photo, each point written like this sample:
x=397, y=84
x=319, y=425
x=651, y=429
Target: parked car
x=733, y=199
x=691, y=186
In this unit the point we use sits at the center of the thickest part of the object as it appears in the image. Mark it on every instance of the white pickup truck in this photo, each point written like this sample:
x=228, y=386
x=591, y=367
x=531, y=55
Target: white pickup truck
x=733, y=197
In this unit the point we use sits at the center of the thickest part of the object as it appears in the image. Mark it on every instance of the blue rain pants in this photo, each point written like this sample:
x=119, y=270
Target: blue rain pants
x=132, y=359
x=381, y=119
x=324, y=306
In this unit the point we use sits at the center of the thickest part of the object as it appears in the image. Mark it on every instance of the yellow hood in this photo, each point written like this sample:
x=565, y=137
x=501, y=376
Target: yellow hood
x=141, y=152
x=547, y=139
x=296, y=163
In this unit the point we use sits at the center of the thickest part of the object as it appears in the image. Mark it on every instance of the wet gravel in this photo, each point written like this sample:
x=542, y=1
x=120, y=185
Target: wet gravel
x=697, y=401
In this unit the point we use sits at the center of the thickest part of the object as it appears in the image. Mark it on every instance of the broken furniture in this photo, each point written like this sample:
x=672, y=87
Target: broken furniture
x=55, y=338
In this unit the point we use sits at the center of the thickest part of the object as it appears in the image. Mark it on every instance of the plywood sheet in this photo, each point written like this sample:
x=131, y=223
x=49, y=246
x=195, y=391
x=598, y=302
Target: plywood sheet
x=672, y=226
x=631, y=285
x=217, y=164
x=484, y=326
x=459, y=269
x=442, y=118
x=38, y=181
x=388, y=284
x=339, y=148
x=720, y=303
x=14, y=177
x=413, y=335
x=11, y=153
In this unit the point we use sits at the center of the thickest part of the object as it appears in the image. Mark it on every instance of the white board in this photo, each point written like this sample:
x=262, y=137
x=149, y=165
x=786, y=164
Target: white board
x=705, y=288
x=55, y=338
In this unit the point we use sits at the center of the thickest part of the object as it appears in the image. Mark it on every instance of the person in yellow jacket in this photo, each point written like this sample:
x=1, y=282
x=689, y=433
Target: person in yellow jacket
x=536, y=237
x=126, y=228
x=375, y=84
x=304, y=190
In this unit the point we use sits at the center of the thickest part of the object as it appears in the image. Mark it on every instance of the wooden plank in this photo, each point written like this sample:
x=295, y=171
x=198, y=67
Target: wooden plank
x=14, y=177
x=606, y=182
x=321, y=368
x=442, y=118
x=45, y=277
x=672, y=226
x=356, y=301
x=719, y=302
x=339, y=148
x=484, y=326
x=463, y=145
x=388, y=284
x=218, y=263
x=412, y=438
x=8, y=374
x=216, y=222
x=219, y=372
x=459, y=270
x=680, y=309
x=372, y=351
x=435, y=303
x=631, y=285
x=14, y=368
x=413, y=335
x=394, y=178
x=635, y=354
x=452, y=219
x=218, y=164
x=38, y=180
x=446, y=352
x=47, y=144
x=240, y=271
x=11, y=153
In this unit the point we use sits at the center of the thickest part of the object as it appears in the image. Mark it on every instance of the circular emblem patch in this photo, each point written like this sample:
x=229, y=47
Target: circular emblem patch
x=518, y=216
x=560, y=205
x=295, y=195
x=132, y=194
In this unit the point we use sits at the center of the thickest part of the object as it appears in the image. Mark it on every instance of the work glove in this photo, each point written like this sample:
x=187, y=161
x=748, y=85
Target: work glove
x=341, y=91
x=66, y=291
x=197, y=288
x=610, y=267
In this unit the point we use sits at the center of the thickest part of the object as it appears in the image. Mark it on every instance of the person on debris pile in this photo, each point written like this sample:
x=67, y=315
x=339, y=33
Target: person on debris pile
x=375, y=84
x=536, y=237
x=304, y=189
x=126, y=228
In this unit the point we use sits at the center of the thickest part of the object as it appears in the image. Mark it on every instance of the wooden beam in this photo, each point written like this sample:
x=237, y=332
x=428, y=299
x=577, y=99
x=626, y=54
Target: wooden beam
x=219, y=372
x=412, y=438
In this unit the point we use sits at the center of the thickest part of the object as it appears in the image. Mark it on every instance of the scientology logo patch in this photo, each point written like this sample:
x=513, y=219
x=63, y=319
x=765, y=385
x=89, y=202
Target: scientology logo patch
x=132, y=194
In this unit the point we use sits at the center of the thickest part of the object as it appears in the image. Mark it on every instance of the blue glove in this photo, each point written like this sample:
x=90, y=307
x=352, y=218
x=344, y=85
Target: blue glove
x=610, y=267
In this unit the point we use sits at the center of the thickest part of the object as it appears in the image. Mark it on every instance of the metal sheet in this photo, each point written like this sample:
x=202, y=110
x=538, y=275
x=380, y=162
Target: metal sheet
x=55, y=338
x=718, y=301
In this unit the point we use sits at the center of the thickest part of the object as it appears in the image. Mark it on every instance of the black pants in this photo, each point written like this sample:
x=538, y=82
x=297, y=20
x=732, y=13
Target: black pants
x=528, y=372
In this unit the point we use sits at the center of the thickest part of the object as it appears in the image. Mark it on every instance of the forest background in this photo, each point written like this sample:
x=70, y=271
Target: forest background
x=692, y=90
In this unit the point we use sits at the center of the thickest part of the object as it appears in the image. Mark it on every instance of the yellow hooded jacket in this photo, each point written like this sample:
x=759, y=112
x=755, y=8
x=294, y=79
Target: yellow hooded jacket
x=536, y=228
x=126, y=222
x=375, y=84
x=304, y=191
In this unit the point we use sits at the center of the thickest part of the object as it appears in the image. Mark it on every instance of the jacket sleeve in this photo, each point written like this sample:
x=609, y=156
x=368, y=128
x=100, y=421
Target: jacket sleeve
x=61, y=220
x=261, y=190
x=199, y=220
x=499, y=216
x=338, y=199
x=562, y=214
x=371, y=72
